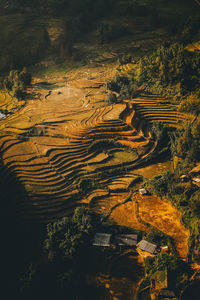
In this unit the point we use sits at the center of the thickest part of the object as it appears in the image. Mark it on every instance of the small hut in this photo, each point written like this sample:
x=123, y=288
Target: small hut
x=147, y=246
x=143, y=191
x=128, y=240
x=102, y=240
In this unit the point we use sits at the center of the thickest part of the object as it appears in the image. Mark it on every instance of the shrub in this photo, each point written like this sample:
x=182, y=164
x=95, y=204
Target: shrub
x=111, y=98
x=86, y=184
x=159, y=184
x=67, y=237
x=16, y=82
x=158, y=237
x=157, y=130
x=125, y=59
x=191, y=104
x=169, y=66
x=123, y=85
x=185, y=142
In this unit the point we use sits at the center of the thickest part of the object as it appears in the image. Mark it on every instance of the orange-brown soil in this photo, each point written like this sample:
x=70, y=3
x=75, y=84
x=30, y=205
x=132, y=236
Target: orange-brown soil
x=156, y=212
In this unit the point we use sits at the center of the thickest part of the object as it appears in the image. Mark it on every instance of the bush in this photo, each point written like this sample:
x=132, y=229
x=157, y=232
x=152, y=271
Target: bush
x=17, y=81
x=159, y=238
x=125, y=59
x=25, y=77
x=185, y=142
x=159, y=184
x=86, y=184
x=67, y=237
x=191, y=104
x=157, y=130
x=111, y=98
x=123, y=85
x=168, y=67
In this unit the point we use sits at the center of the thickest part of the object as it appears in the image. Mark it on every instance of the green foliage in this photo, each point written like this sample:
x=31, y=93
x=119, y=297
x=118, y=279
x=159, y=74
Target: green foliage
x=67, y=237
x=160, y=183
x=160, y=262
x=144, y=289
x=87, y=184
x=25, y=77
x=178, y=271
x=125, y=59
x=158, y=237
x=111, y=98
x=123, y=85
x=158, y=130
x=117, y=83
x=191, y=104
x=185, y=143
x=16, y=82
x=169, y=69
x=187, y=199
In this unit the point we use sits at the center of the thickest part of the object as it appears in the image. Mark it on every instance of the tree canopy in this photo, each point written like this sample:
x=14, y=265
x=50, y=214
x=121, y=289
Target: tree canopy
x=67, y=237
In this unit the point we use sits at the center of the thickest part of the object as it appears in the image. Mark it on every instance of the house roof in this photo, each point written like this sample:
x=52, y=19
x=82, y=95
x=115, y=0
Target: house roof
x=196, y=179
x=147, y=246
x=102, y=239
x=126, y=239
x=2, y=115
x=142, y=191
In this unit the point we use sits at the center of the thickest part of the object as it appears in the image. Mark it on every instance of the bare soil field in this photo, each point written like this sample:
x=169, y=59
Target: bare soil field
x=156, y=212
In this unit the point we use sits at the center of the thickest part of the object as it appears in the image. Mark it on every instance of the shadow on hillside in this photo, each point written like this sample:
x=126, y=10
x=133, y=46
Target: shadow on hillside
x=19, y=241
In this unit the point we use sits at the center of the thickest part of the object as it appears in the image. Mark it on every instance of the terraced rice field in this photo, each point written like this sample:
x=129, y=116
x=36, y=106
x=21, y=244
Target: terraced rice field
x=70, y=136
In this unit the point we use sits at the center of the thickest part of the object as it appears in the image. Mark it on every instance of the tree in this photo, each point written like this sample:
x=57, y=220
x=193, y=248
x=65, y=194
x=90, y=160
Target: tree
x=17, y=81
x=67, y=237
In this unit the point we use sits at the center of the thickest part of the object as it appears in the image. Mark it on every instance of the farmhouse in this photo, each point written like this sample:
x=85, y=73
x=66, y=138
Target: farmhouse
x=165, y=249
x=196, y=179
x=102, y=240
x=143, y=191
x=126, y=240
x=2, y=116
x=147, y=246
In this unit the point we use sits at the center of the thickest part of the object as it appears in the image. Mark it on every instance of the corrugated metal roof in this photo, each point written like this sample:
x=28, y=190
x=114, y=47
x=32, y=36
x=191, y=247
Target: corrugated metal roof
x=146, y=246
x=2, y=115
x=126, y=239
x=143, y=191
x=102, y=239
